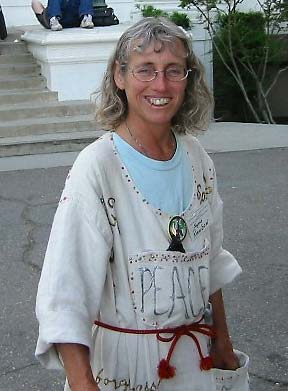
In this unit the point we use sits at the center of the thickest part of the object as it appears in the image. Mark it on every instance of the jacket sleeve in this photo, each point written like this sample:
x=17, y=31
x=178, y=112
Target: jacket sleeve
x=74, y=269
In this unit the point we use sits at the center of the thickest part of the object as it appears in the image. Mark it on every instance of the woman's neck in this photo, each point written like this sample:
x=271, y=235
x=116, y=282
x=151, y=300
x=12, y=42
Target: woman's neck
x=157, y=143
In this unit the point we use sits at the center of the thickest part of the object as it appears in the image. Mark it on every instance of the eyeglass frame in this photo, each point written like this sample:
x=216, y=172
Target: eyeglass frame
x=156, y=74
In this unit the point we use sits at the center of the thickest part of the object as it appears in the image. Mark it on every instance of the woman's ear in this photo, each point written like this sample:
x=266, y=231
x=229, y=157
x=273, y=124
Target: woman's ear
x=119, y=77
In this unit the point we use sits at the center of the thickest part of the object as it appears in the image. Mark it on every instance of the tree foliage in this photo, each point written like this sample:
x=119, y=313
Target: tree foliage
x=248, y=45
x=179, y=18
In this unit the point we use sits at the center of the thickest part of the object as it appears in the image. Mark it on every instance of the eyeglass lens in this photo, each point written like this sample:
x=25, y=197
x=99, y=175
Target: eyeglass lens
x=175, y=73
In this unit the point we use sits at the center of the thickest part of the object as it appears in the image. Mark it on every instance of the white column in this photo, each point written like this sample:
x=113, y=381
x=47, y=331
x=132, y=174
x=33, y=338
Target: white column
x=74, y=60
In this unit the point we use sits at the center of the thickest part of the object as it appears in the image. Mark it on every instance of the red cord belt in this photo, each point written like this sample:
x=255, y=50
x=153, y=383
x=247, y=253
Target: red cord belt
x=165, y=370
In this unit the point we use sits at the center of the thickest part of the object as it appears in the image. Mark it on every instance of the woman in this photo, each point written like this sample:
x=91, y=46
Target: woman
x=136, y=241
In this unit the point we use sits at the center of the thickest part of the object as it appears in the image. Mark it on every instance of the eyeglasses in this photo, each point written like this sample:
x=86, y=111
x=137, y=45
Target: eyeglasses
x=171, y=73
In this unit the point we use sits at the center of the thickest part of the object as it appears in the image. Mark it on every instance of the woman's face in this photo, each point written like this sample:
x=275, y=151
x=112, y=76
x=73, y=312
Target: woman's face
x=155, y=102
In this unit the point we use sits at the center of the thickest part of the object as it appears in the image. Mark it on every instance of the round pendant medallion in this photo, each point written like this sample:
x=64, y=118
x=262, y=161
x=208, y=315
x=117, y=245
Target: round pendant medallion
x=177, y=228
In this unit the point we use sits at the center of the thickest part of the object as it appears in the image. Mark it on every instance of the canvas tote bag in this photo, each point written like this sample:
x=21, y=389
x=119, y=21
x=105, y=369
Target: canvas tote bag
x=238, y=380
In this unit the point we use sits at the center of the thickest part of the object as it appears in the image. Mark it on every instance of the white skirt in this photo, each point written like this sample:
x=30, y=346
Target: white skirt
x=222, y=380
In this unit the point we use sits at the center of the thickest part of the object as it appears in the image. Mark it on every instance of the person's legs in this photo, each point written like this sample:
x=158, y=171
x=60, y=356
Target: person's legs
x=37, y=7
x=74, y=11
x=41, y=13
x=86, y=12
x=86, y=8
x=44, y=19
x=70, y=13
x=54, y=13
x=55, y=8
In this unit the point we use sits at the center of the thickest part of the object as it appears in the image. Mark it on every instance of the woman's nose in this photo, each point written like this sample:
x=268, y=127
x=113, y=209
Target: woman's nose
x=160, y=80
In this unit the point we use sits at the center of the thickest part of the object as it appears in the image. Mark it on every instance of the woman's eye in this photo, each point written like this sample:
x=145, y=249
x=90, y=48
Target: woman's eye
x=145, y=71
x=175, y=71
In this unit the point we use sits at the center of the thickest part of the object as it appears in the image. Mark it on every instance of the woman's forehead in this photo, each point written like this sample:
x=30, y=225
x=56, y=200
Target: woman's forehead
x=173, y=48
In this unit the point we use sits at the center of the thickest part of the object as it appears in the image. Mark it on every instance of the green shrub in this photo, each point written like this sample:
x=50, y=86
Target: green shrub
x=149, y=10
x=179, y=18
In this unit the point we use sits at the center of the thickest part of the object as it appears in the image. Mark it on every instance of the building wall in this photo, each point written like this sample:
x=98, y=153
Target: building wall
x=19, y=12
x=278, y=97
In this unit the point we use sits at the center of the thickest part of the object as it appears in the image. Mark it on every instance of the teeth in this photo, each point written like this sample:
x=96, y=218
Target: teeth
x=159, y=101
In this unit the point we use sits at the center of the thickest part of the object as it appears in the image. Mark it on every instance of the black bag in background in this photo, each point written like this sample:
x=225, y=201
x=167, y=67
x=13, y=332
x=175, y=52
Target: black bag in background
x=104, y=16
x=3, y=30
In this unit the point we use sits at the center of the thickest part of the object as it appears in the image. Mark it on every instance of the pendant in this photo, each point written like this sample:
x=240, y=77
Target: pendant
x=177, y=230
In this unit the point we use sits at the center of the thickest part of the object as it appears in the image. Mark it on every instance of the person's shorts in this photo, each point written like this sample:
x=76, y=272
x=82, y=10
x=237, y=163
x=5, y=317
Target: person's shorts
x=44, y=19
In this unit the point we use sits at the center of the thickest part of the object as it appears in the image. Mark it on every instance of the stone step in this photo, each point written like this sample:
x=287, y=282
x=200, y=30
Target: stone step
x=43, y=110
x=19, y=69
x=32, y=121
x=47, y=143
x=12, y=47
x=14, y=34
x=27, y=95
x=17, y=82
x=36, y=126
x=11, y=58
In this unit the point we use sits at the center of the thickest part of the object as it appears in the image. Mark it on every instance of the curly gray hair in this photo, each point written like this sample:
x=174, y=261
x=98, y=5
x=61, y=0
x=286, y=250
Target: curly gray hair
x=112, y=108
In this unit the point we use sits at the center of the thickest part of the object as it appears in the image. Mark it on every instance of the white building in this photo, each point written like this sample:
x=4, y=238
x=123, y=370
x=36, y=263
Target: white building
x=74, y=60
x=19, y=12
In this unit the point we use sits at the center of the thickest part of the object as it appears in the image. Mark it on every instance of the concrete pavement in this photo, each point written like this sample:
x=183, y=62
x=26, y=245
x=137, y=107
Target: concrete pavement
x=221, y=137
x=253, y=184
x=231, y=136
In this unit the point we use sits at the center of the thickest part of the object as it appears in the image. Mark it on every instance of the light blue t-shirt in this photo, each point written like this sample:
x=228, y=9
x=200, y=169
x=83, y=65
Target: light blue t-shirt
x=167, y=185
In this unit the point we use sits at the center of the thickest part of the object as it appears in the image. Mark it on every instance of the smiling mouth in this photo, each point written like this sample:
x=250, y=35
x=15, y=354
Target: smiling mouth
x=158, y=101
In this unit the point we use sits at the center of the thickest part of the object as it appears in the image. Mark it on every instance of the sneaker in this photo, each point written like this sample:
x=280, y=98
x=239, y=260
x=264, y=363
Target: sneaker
x=54, y=24
x=87, y=22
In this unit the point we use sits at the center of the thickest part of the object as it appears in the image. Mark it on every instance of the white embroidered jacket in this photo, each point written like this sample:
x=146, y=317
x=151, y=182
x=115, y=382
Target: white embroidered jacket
x=107, y=259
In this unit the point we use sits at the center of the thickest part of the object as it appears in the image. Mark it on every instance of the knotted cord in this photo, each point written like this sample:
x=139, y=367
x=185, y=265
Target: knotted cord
x=165, y=370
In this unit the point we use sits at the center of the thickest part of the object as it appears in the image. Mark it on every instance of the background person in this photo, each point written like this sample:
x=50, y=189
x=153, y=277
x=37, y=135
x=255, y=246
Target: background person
x=3, y=29
x=61, y=14
x=136, y=243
